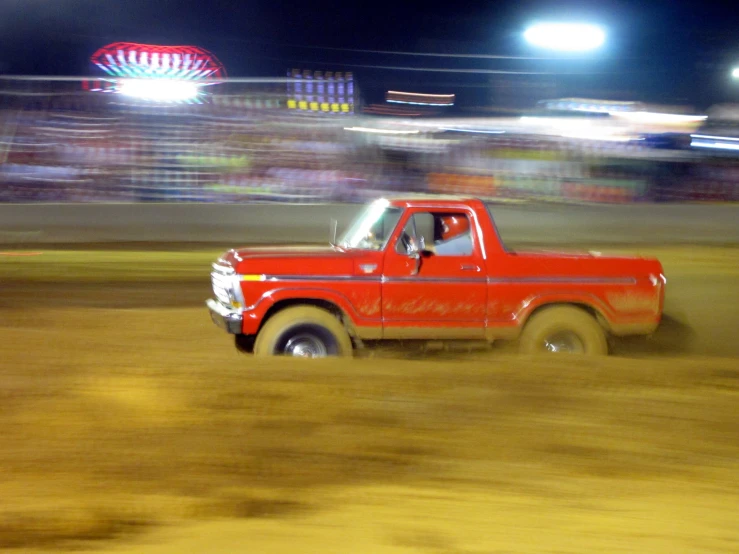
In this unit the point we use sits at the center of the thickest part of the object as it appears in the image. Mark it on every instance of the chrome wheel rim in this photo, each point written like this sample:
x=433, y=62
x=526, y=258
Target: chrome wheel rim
x=305, y=346
x=564, y=342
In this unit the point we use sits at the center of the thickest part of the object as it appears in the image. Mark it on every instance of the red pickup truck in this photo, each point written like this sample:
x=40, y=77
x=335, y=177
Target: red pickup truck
x=429, y=269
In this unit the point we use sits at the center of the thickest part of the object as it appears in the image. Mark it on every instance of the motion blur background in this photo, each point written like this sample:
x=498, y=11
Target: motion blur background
x=304, y=104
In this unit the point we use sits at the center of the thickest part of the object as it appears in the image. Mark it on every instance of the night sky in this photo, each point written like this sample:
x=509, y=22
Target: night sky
x=673, y=52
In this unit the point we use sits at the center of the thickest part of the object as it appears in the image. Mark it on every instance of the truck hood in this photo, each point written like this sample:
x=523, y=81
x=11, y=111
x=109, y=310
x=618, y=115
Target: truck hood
x=282, y=251
x=290, y=260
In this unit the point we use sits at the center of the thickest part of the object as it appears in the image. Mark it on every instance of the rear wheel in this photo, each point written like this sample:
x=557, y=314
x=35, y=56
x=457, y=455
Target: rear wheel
x=563, y=329
x=305, y=332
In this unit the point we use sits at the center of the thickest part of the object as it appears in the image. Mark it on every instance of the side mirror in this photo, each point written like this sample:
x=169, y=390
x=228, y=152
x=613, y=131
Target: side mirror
x=417, y=258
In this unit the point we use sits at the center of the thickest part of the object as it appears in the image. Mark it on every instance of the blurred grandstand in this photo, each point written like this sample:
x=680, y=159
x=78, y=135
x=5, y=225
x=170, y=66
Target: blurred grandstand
x=254, y=140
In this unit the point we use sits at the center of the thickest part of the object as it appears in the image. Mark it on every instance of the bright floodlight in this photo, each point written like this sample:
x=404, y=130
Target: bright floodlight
x=572, y=37
x=159, y=90
x=735, y=73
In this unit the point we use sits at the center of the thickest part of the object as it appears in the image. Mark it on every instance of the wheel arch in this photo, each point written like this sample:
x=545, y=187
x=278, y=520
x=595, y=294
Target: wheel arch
x=275, y=300
x=328, y=305
x=588, y=305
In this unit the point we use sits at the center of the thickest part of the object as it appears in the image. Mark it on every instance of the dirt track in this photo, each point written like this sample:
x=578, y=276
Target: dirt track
x=142, y=429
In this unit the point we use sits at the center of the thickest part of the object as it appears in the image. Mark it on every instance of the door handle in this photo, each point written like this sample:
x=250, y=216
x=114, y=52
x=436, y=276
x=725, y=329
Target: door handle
x=469, y=267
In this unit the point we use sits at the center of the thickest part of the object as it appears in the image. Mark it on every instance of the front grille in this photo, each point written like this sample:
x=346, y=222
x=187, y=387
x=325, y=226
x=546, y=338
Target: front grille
x=222, y=282
x=221, y=287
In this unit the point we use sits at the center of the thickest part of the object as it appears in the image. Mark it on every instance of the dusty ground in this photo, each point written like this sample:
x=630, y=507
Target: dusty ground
x=130, y=424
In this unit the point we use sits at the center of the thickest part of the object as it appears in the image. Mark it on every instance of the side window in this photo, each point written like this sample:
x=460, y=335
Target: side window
x=452, y=234
x=425, y=227
x=443, y=233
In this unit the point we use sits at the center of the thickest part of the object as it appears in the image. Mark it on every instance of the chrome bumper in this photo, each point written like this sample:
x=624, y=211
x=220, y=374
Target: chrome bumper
x=226, y=318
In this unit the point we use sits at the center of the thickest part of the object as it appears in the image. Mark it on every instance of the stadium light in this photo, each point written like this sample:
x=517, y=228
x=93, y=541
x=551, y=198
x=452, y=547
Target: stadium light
x=735, y=73
x=568, y=37
x=158, y=90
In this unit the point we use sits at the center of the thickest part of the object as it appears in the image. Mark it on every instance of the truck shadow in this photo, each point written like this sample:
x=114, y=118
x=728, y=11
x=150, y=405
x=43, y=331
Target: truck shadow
x=672, y=337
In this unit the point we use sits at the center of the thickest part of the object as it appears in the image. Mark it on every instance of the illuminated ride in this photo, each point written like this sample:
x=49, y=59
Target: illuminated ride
x=156, y=73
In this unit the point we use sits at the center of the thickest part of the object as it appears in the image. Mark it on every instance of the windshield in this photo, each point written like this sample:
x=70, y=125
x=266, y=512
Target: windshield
x=372, y=228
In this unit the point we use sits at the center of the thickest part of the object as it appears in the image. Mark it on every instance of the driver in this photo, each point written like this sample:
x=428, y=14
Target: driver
x=455, y=239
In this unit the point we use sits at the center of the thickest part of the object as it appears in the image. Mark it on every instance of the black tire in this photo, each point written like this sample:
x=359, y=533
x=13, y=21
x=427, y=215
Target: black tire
x=244, y=343
x=563, y=329
x=304, y=331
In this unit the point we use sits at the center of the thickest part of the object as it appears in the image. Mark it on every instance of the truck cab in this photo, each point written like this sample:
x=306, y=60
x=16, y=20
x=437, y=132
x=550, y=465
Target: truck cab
x=430, y=269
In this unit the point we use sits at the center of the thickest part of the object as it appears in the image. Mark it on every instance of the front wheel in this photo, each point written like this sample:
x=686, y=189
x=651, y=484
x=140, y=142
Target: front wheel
x=305, y=332
x=563, y=329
